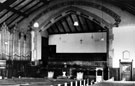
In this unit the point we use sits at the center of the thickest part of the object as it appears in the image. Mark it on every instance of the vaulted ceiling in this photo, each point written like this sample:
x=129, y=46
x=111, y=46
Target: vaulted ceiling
x=66, y=25
x=14, y=11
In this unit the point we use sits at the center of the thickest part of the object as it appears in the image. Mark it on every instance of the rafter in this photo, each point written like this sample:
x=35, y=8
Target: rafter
x=73, y=22
x=33, y=6
x=83, y=24
x=2, y=6
x=26, y=5
x=13, y=20
x=19, y=3
x=44, y=1
x=70, y=24
x=4, y=14
x=80, y=25
x=16, y=23
x=9, y=17
x=62, y=26
x=67, y=24
x=56, y=27
x=88, y=27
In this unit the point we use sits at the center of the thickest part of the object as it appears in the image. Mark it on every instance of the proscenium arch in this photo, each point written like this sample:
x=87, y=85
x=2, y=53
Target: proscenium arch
x=80, y=3
x=71, y=9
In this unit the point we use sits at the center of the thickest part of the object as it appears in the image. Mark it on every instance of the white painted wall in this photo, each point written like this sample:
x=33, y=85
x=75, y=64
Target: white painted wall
x=124, y=37
x=70, y=43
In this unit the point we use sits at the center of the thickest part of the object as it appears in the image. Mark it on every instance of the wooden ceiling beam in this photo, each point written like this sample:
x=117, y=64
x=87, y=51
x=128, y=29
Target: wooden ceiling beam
x=5, y=6
x=56, y=27
x=9, y=17
x=19, y=3
x=67, y=25
x=45, y=1
x=4, y=14
x=62, y=26
x=8, y=2
x=80, y=24
x=16, y=22
x=13, y=20
x=26, y=5
x=73, y=22
x=33, y=6
x=83, y=24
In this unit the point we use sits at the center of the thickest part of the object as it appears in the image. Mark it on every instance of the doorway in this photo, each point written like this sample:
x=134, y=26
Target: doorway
x=126, y=71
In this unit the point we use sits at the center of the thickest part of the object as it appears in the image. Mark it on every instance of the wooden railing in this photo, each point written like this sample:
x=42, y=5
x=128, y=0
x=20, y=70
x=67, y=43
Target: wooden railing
x=83, y=82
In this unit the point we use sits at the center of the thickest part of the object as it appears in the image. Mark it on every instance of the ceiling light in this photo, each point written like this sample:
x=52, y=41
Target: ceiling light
x=6, y=43
x=102, y=39
x=67, y=34
x=36, y=25
x=2, y=1
x=76, y=23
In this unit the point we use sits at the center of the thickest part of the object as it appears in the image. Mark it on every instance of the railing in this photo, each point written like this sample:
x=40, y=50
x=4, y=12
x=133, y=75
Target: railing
x=83, y=82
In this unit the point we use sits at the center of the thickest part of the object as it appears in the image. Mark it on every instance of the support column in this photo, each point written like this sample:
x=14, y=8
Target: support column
x=38, y=45
x=0, y=46
x=35, y=45
x=110, y=50
x=33, y=50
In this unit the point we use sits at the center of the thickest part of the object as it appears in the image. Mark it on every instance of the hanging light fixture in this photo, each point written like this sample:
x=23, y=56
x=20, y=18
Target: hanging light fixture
x=102, y=38
x=2, y=1
x=6, y=43
x=92, y=36
x=76, y=23
x=36, y=25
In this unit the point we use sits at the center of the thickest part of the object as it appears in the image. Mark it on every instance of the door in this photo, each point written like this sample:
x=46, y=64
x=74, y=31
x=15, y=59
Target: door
x=45, y=51
x=126, y=71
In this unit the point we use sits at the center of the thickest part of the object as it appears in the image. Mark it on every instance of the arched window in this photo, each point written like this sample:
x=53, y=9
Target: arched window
x=126, y=54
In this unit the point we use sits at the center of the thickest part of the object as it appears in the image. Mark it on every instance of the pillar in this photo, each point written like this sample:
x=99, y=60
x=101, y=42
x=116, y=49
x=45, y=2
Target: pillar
x=33, y=47
x=38, y=45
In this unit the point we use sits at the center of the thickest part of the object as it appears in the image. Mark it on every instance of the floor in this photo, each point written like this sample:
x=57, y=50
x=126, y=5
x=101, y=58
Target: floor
x=55, y=82
x=33, y=82
x=116, y=83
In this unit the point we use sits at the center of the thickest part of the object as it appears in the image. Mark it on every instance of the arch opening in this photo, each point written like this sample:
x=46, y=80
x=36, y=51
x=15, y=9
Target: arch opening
x=77, y=11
